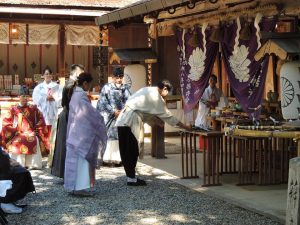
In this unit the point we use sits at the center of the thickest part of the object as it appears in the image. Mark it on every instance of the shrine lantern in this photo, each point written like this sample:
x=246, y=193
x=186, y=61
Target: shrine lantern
x=135, y=76
x=290, y=90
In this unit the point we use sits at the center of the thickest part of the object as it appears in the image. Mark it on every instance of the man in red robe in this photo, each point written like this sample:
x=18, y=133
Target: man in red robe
x=24, y=134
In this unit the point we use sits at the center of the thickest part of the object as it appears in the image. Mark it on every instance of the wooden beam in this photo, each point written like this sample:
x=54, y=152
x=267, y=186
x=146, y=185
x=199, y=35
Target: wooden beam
x=271, y=35
x=166, y=28
x=47, y=21
x=83, y=7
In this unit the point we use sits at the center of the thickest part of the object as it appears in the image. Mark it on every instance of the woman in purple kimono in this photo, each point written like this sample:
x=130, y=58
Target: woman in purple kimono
x=86, y=135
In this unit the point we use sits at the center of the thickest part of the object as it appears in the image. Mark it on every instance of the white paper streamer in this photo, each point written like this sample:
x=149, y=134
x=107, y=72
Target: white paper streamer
x=237, y=37
x=203, y=28
x=256, y=25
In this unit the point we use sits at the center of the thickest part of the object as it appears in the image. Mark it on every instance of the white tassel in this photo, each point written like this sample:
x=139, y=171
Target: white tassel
x=256, y=25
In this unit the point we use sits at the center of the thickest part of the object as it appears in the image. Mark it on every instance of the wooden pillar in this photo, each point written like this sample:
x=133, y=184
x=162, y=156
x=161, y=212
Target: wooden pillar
x=61, y=53
x=157, y=132
x=298, y=147
x=219, y=59
x=275, y=77
x=157, y=140
x=41, y=58
x=7, y=59
x=25, y=61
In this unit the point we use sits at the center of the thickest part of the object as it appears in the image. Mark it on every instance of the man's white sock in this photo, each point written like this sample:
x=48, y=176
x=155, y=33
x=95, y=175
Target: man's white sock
x=131, y=179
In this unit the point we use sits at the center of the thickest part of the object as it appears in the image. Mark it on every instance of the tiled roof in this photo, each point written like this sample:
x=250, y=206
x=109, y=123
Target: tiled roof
x=89, y=3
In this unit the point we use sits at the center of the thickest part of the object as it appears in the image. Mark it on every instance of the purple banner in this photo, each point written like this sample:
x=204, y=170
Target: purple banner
x=196, y=63
x=246, y=76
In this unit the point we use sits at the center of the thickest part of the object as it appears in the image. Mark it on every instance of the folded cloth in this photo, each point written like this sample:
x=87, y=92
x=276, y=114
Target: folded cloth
x=4, y=186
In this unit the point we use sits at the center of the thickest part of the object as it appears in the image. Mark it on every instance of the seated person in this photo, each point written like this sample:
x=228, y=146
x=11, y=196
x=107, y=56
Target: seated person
x=24, y=134
x=21, y=183
x=209, y=100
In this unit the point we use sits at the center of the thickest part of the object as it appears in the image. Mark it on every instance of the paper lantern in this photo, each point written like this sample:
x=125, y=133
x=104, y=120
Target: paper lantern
x=290, y=90
x=135, y=76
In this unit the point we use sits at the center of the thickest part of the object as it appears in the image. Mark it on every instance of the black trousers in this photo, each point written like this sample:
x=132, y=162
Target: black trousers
x=129, y=150
x=22, y=183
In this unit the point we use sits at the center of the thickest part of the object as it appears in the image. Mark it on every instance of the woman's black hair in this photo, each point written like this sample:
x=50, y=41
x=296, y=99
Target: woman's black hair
x=47, y=68
x=164, y=84
x=84, y=77
x=75, y=66
x=214, y=77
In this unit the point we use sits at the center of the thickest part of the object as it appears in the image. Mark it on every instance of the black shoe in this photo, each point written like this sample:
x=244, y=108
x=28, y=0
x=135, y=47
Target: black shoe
x=106, y=164
x=82, y=193
x=139, y=182
x=116, y=165
x=20, y=205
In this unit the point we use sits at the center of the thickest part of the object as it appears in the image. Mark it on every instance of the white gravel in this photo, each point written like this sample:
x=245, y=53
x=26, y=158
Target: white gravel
x=161, y=202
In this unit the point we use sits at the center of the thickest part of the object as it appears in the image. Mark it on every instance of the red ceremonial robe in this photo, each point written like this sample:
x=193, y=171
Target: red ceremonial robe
x=21, y=129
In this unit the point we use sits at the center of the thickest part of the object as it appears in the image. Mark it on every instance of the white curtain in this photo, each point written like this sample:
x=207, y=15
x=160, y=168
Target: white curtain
x=4, y=33
x=22, y=34
x=43, y=34
x=82, y=35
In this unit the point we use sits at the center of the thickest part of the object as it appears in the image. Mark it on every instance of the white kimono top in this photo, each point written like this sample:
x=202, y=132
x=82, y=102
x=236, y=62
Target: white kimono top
x=203, y=110
x=49, y=109
x=143, y=106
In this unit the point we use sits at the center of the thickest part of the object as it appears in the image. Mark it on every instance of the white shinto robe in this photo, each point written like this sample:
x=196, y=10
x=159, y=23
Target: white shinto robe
x=203, y=110
x=49, y=109
x=144, y=106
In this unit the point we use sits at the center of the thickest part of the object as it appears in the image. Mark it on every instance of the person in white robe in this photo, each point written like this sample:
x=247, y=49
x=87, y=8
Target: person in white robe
x=47, y=96
x=146, y=105
x=208, y=101
x=86, y=136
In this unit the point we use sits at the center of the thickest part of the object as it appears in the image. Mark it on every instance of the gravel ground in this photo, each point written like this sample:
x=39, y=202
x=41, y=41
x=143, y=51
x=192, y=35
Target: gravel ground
x=161, y=202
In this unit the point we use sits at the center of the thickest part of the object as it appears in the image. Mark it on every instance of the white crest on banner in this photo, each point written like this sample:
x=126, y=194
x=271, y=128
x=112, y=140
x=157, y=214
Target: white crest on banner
x=196, y=62
x=197, y=58
x=239, y=61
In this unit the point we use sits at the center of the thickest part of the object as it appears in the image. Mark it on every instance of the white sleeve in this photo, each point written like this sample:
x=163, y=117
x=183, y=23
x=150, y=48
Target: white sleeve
x=37, y=97
x=169, y=118
x=58, y=95
x=205, y=95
